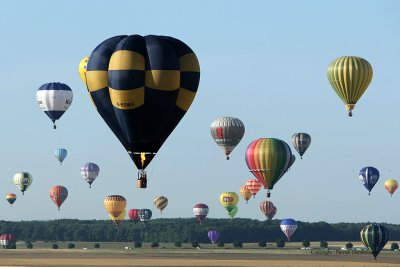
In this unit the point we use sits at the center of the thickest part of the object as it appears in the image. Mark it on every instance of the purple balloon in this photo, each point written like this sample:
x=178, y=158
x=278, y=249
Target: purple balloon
x=213, y=236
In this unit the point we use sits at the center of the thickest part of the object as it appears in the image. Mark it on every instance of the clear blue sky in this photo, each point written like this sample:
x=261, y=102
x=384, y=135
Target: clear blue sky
x=264, y=62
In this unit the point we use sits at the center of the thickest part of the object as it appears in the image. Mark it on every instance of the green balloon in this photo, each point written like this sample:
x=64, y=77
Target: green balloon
x=233, y=212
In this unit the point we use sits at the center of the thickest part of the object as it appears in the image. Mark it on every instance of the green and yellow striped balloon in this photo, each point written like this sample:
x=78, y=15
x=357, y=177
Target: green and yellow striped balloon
x=374, y=237
x=350, y=77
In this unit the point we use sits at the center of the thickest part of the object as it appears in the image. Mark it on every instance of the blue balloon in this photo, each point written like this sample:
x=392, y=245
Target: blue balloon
x=369, y=176
x=60, y=154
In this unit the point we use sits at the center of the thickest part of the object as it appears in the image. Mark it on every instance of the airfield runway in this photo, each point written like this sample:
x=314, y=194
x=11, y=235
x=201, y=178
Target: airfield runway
x=113, y=258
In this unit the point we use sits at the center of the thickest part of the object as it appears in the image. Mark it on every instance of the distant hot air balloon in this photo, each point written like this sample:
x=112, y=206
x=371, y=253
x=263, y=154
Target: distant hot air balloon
x=7, y=239
x=134, y=215
x=213, y=235
x=245, y=193
x=82, y=69
x=145, y=215
x=369, y=176
x=22, y=180
x=54, y=99
x=115, y=205
x=58, y=194
x=292, y=160
x=201, y=212
x=374, y=237
x=268, y=160
x=266, y=207
x=11, y=197
x=227, y=133
x=288, y=227
x=272, y=213
x=254, y=186
x=350, y=77
x=301, y=141
x=117, y=220
x=161, y=202
x=89, y=172
x=233, y=212
x=229, y=200
x=60, y=154
x=391, y=186
x=142, y=87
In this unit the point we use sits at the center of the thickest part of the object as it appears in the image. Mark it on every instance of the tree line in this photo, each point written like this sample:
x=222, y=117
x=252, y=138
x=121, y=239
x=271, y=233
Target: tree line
x=182, y=230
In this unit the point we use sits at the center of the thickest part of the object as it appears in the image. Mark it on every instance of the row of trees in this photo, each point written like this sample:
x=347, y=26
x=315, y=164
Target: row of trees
x=182, y=230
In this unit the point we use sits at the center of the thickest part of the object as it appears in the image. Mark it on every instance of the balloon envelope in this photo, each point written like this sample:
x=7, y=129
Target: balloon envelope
x=391, y=186
x=54, y=99
x=22, y=180
x=58, y=194
x=369, y=176
x=227, y=133
x=233, y=212
x=245, y=193
x=254, y=186
x=374, y=237
x=114, y=204
x=213, y=235
x=82, y=69
x=142, y=86
x=145, y=215
x=268, y=160
x=201, y=212
x=161, y=202
x=60, y=154
x=267, y=207
x=134, y=215
x=349, y=77
x=288, y=227
x=89, y=172
x=301, y=142
x=11, y=197
x=229, y=200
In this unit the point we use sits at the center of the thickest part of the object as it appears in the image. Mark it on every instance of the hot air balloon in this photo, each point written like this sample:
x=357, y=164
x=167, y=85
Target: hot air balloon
x=142, y=87
x=227, y=133
x=391, y=186
x=233, y=212
x=254, y=186
x=161, y=202
x=229, y=200
x=10, y=197
x=82, y=69
x=60, y=154
x=349, y=77
x=134, y=215
x=22, y=180
x=272, y=213
x=301, y=141
x=145, y=215
x=54, y=99
x=117, y=220
x=288, y=227
x=213, y=235
x=89, y=172
x=200, y=211
x=268, y=160
x=369, y=176
x=245, y=193
x=266, y=207
x=6, y=240
x=115, y=205
x=374, y=236
x=58, y=194
x=292, y=160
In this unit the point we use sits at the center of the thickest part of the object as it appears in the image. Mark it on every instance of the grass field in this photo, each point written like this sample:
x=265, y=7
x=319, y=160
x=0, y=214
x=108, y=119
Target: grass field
x=115, y=254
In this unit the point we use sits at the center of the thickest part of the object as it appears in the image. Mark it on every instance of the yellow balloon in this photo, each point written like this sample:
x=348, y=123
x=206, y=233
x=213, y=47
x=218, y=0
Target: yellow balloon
x=350, y=77
x=391, y=186
x=161, y=202
x=245, y=193
x=82, y=69
x=229, y=200
x=119, y=217
x=115, y=205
